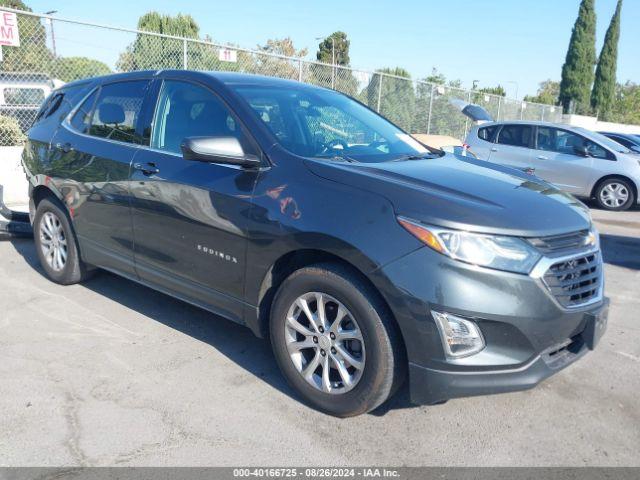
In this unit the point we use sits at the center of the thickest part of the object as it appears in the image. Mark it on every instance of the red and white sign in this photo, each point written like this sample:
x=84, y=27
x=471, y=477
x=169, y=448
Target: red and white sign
x=9, y=34
x=227, y=55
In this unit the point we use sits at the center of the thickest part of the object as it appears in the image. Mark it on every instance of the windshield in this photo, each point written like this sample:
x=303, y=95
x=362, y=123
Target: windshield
x=606, y=141
x=320, y=123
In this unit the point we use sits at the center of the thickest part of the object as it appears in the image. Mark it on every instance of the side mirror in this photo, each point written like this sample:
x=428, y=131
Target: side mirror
x=635, y=148
x=581, y=150
x=227, y=150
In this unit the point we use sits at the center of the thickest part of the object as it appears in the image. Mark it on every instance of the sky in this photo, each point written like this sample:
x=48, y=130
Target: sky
x=514, y=43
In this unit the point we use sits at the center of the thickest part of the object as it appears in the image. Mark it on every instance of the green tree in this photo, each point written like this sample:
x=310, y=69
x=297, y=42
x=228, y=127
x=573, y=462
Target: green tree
x=497, y=90
x=275, y=66
x=445, y=118
x=325, y=49
x=152, y=52
x=604, y=87
x=397, y=98
x=32, y=55
x=577, y=71
x=626, y=108
x=69, y=69
x=548, y=92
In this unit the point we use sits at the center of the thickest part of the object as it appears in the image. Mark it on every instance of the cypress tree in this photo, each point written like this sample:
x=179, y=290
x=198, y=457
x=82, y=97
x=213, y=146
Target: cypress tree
x=577, y=71
x=604, y=87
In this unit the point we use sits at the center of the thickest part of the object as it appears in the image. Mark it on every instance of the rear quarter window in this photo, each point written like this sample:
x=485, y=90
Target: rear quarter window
x=487, y=133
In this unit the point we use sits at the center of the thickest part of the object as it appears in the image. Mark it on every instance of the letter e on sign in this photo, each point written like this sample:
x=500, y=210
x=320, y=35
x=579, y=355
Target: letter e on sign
x=9, y=34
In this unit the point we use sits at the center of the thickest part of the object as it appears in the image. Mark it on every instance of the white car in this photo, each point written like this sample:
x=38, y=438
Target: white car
x=583, y=163
x=21, y=95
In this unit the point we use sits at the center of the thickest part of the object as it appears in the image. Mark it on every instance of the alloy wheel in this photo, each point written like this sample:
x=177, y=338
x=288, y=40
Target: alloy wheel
x=53, y=242
x=614, y=195
x=325, y=343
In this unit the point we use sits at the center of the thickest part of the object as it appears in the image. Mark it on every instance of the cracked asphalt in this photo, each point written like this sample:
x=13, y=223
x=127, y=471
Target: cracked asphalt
x=113, y=373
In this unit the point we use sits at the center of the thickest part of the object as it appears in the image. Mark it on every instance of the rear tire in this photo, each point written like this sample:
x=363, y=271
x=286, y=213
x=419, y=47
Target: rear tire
x=615, y=194
x=359, y=342
x=57, y=245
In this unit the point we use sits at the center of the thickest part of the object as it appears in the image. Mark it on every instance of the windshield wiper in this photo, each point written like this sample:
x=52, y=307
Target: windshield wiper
x=413, y=156
x=338, y=156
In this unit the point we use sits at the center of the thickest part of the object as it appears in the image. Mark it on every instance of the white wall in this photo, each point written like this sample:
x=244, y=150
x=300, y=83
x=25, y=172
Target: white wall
x=592, y=123
x=13, y=179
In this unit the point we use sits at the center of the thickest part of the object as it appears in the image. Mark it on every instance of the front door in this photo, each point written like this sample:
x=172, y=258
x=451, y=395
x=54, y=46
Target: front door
x=556, y=160
x=190, y=217
x=92, y=155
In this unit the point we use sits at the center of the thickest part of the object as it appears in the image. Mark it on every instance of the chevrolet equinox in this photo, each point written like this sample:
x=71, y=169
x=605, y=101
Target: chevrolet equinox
x=363, y=255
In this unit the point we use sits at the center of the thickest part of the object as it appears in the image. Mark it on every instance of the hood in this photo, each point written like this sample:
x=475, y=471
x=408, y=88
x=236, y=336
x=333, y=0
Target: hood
x=464, y=193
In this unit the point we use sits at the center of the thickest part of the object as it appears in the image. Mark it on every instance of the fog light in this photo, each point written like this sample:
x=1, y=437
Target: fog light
x=460, y=337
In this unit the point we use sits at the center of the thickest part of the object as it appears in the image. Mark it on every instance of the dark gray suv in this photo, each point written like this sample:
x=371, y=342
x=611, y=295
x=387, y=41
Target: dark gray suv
x=297, y=211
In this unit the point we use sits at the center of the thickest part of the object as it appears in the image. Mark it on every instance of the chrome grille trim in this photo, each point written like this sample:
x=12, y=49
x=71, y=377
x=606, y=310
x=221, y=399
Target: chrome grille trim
x=559, y=243
x=574, y=281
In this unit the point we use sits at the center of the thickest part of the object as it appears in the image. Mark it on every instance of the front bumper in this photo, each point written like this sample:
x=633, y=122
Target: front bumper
x=429, y=385
x=529, y=336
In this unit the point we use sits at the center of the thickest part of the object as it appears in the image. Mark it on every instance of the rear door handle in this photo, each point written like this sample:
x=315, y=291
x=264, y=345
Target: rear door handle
x=147, y=168
x=64, y=147
x=494, y=149
x=542, y=157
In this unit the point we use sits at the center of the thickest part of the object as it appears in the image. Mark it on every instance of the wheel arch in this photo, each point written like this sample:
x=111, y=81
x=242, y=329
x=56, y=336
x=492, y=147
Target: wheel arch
x=614, y=176
x=40, y=189
x=294, y=260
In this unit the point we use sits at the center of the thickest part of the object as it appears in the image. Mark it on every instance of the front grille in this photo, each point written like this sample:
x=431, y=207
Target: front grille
x=576, y=281
x=559, y=243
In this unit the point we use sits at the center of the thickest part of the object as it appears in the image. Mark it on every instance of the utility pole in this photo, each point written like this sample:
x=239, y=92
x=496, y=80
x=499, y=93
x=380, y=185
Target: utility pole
x=333, y=59
x=333, y=62
x=53, y=35
x=516, y=84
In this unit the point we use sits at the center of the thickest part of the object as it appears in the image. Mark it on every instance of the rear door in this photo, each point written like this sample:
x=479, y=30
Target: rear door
x=556, y=160
x=513, y=146
x=91, y=159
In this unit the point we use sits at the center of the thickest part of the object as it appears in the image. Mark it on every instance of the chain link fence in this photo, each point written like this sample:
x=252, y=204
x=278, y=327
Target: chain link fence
x=29, y=72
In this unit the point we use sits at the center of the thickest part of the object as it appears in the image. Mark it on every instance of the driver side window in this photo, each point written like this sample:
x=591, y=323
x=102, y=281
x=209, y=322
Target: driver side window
x=189, y=110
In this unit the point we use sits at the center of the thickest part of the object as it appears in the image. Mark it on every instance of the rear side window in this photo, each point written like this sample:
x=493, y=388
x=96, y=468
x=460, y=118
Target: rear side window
x=116, y=111
x=49, y=107
x=515, y=135
x=82, y=118
x=487, y=133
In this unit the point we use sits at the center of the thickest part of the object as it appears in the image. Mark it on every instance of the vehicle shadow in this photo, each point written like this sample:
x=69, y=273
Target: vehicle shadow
x=620, y=250
x=234, y=341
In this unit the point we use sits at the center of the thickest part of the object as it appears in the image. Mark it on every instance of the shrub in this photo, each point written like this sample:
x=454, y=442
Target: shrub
x=10, y=133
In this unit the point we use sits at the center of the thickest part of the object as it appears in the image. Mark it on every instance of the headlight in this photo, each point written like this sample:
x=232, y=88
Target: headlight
x=493, y=251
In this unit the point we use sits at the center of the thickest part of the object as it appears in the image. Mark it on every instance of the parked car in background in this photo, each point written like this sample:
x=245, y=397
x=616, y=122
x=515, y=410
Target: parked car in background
x=22, y=94
x=631, y=141
x=583, y=163
x=299, y=212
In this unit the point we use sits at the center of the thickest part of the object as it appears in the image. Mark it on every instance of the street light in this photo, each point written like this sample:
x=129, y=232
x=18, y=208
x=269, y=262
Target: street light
x=333, y=59
x=53, y=35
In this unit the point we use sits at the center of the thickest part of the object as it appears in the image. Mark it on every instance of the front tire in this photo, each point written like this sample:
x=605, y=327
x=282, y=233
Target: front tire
x=335, y=341
x=615, y=194
x=57, y=245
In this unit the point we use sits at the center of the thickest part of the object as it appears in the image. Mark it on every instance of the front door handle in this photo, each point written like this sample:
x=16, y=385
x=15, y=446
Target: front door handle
x=147, y=168
x=542, y=157
x=64, y=147
x=494, y=149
